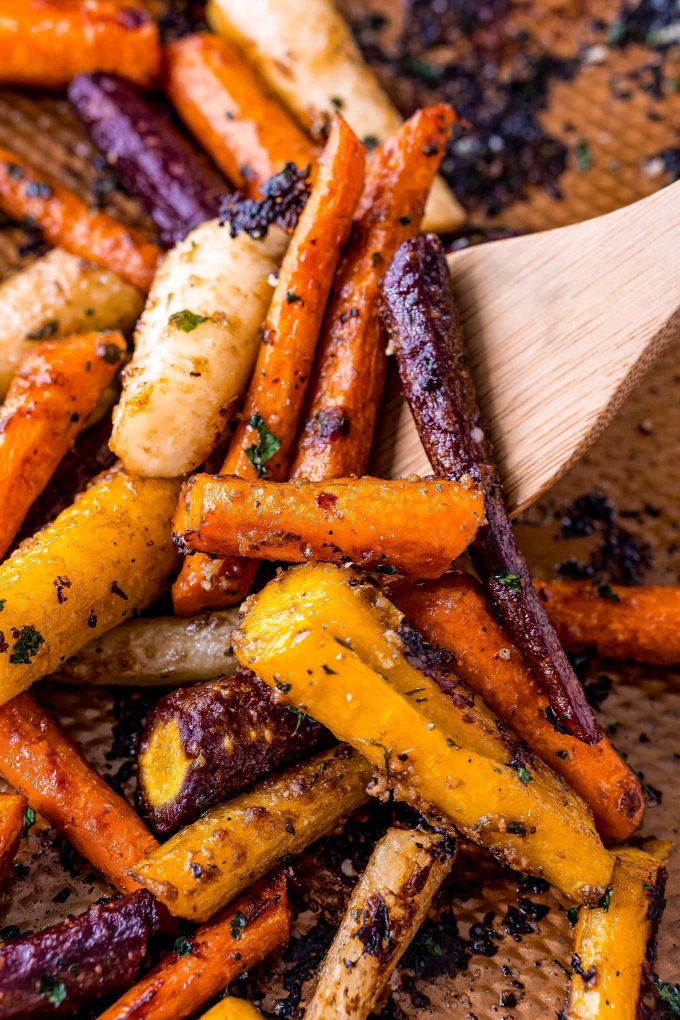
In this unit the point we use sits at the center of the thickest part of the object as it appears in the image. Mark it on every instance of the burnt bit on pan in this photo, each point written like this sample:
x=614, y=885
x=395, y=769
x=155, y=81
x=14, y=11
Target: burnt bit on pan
x=618, y=556
x=283, y=198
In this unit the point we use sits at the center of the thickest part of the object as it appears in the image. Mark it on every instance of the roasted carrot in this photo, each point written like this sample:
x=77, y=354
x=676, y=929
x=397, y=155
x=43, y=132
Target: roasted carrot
x=350, y=373
x=46, y=43
x=249, y=135
x=279, y=381
x=615, y=943
x=640, y=623
x=240, y=937
x=42, y=762
x=374, y=523
x=454, y=614
x=53, y=393
x=66, y=221
x=424, y=329
x=12, y=813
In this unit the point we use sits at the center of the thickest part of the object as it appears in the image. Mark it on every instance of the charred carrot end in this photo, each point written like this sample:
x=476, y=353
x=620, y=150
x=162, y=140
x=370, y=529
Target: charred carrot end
x=249, y=135
x=55, y=390
x=46, y=43
x=67, y=222
x=44, y=764
x=12, y=815
x=242, y=936
x=622, y=623
x=454, y=614
x=263, y=442
x=350, y=373
x=366, y=521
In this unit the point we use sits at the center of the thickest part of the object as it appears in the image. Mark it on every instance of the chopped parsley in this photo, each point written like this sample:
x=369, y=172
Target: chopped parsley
x=238, y=923
x=183, y=946
x=371, y=141
x=572, y=915
x=605, y=592
x=292, y=297
x=669, y=995
x=186, y=320
x=405, y=220
x=259, y=453
x=53, y=989
x=281, y=686
x=26, y=645
x=422, y=69
x=583, y=159
x=509, y=580
x=29, y=821
x=386, y=568
x=524, y=774
x=301, y=717
x=606, y=900
x=2, y=604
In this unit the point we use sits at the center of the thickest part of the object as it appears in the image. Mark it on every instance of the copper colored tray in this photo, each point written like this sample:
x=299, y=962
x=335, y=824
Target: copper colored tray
x=617, y=149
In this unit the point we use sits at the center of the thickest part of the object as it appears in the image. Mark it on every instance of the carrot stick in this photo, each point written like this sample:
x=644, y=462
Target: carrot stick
x=42, y=762
x=66, y=221
x=373, y=523
x=421, y=319
x=279, y=382
x=53, y=393
x=46, y=43
x=12, y=812
x=249, y=135
x=350, y=373
x=454, y=614
x=240, y=937
x=621, y=623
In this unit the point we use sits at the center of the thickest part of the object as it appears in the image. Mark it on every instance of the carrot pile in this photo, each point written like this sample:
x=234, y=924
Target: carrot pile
x=366, y=665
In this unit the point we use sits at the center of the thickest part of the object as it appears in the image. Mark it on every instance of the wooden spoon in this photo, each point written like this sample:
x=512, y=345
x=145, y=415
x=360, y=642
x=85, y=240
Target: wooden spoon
x=560, y=326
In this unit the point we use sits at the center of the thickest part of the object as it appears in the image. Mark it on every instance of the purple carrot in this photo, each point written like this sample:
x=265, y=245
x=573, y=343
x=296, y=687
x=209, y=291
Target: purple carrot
x=152, y=159
x=57, y=971
x=424, y=329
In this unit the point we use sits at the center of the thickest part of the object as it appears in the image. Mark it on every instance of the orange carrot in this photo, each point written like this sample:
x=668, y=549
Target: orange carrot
x=238, y=938
x=454, y=614
x=223, y=103
x=67, y=222
x=367, y=521
x=46, y=43
x=350, y=372
x=41, y=761
x=49, y=400
x=12, y=813
x=622, y=623
x=279, y=382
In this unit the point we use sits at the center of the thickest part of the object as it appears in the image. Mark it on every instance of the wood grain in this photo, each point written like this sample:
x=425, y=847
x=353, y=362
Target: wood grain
x=560, y=326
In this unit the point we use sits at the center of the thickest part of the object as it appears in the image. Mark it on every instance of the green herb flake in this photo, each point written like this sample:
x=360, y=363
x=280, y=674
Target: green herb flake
x=572, y=916
x=583, y=160
x=259, y=453
x=405, y=220
x=669, y=995
x=284, y=688
x=371, y=141
x=606, y=900
x=338, y=102
x=328, y=671
x=301, y=717
x=524, y=775
x=509, y=580
x=186, y=320
x=292, y=297
x=29, y=821
x=562, y=754
x=53, y=989
x=386, y=568
x=432, y=947
x=423, y=69
x=376, y=258
x=26, y=645
x=238, y=923
x=183, y=946
x=2, y=604
x=605, y=592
